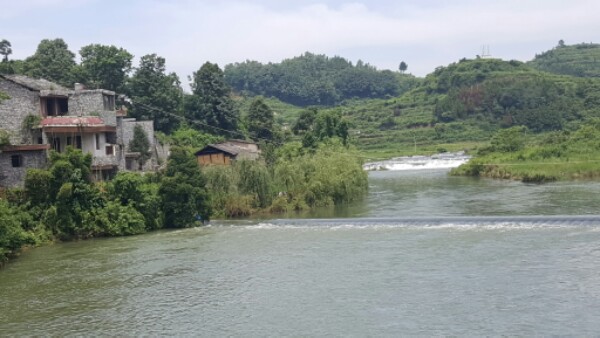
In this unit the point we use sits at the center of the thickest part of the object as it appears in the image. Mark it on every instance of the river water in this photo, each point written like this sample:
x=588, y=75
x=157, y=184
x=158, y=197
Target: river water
x=423, y=254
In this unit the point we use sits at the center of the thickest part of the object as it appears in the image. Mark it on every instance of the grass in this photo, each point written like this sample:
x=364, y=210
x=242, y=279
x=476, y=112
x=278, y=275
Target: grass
x=542, y=158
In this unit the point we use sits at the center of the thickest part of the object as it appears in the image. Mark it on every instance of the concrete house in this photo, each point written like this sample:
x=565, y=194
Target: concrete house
x=41, y=115
x=226, y=152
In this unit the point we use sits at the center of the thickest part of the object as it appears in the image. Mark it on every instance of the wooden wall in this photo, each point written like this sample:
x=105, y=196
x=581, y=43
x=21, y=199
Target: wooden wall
x=214, y=159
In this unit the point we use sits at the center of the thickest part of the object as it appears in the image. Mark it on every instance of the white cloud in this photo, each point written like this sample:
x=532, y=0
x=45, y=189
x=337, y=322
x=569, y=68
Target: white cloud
x=426, y=34
x=20, y=8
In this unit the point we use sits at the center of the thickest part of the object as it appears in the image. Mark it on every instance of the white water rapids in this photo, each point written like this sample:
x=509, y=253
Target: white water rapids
x=438, y=161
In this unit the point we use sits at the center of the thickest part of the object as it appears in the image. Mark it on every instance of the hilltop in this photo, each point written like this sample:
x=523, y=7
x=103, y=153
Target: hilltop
x=582, y=60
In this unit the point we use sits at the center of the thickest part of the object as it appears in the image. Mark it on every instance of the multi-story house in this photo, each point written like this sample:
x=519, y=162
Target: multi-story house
x=40, y=115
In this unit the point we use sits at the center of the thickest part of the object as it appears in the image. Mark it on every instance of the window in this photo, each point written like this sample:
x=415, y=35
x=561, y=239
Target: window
x=69, y=141
x=55, y=106
x=40, y=140
x=17, y=161
x=56, y=144
x=109, y=150
x=97, y=141
x=78, y=142
x=109, y=102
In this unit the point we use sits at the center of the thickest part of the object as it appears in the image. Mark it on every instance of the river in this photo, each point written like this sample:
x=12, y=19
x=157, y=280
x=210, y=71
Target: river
x=423, y=254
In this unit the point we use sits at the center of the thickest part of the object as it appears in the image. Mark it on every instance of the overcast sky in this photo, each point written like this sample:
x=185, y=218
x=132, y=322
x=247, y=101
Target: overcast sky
x=423, y=33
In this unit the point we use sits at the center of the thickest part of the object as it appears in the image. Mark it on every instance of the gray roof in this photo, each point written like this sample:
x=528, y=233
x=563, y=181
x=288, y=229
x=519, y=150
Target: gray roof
x=226, y=147
x=229, y=148
x=33, y=84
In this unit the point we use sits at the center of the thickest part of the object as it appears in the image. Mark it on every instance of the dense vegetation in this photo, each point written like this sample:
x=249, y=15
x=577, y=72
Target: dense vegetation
x=515, y=154
x=468, y=101
x=298, y=180
x=312, y=79
x=63, y=203
x=582, y=60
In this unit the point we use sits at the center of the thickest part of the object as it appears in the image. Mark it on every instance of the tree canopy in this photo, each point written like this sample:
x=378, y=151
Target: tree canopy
x=52, y=61
x=5, y=49
x=183, y=191
x=260, y=120
x=210, y=102
x=105, y=67
x=156, y=95
x=312, y=79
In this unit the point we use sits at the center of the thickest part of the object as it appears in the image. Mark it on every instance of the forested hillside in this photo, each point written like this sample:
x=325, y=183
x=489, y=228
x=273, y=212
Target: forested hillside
x=582, y=60
x=510, y=93
x=469, y=100
x=312, y=79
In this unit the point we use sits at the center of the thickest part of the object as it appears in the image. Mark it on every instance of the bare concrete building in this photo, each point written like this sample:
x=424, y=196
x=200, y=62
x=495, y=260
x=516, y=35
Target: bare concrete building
x=40, y=115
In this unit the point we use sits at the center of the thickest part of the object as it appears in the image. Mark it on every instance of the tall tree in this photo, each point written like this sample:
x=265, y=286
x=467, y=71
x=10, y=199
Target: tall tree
x=105, y=67
x=211, y=101
x=5, y=50
x=52, y=61
x=260, y=120
x=183, y=191
x=140, y=144
x=403, y=67
x=156, y=95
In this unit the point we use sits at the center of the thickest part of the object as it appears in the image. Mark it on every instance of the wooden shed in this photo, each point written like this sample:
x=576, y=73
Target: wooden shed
x=226, y=152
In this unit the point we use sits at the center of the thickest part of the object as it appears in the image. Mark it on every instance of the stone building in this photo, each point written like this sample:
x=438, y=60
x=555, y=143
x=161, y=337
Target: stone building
x=40, y=115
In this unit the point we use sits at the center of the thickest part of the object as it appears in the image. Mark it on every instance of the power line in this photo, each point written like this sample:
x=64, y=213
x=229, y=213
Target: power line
x=233, y=132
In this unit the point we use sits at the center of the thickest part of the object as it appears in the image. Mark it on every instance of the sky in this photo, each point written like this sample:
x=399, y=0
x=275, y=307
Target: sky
x=425, y=34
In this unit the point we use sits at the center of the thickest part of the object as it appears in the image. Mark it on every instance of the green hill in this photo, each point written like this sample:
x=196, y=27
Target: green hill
x=511, y=93
x=582, y=60
x=312, y=79
x=468, y=101
x=456, y=106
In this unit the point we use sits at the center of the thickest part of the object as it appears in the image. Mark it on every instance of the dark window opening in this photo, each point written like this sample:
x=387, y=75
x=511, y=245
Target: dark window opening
x=55, y=106
x=17, y=161
x=69, y=141
x=97, y=141
x=40, y=140
x=109, y=102
x=111, y=138
x=109, y=150
x=78, y=142
x=56, y=144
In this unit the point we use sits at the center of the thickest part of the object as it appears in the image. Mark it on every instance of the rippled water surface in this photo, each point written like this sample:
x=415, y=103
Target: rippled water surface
x=424, y=254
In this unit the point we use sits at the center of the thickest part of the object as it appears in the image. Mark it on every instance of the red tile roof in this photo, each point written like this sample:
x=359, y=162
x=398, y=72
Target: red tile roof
x=72, y=121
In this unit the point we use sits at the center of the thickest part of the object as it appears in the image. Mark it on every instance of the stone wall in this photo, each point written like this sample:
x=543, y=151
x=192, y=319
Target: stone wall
x=15, y=177
x=91, y=103
x=22, y=102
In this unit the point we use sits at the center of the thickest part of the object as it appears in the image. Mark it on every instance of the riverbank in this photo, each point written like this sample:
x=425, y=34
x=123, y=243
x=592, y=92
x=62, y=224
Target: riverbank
x=62, y=203
x=548, y=157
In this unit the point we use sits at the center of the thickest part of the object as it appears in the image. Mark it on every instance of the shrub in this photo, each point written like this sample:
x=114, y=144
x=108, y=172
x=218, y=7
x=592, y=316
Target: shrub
x=12, y=235
x=113, y=219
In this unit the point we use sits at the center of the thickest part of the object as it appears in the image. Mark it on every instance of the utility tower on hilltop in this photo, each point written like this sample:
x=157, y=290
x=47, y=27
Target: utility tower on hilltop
x=485, y=52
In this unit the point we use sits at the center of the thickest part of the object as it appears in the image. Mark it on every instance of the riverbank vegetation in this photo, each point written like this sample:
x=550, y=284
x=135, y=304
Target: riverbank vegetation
x=515, y=153
x=62, y=203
